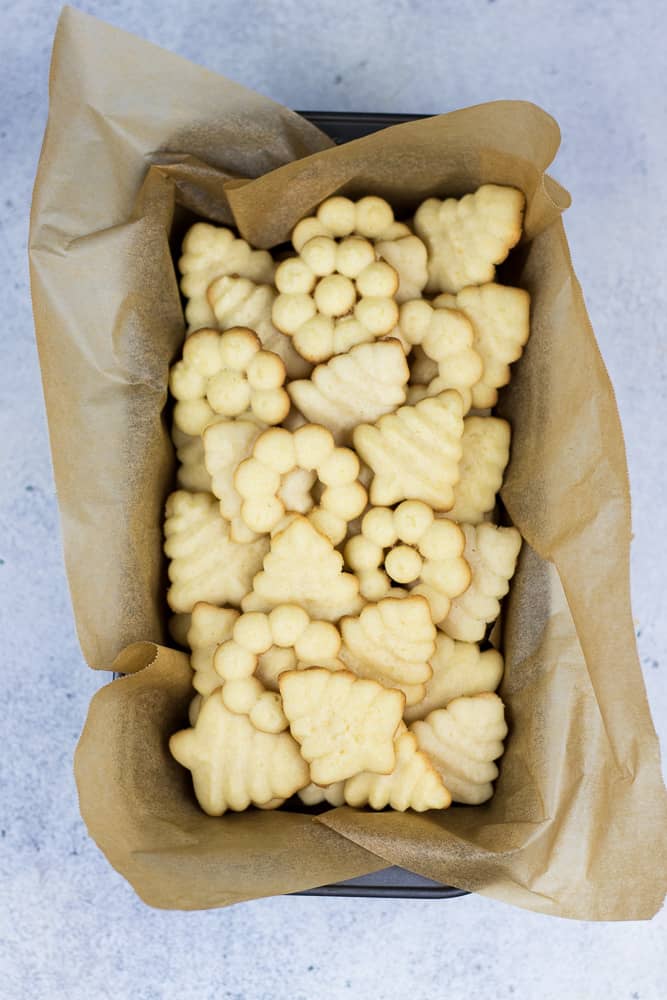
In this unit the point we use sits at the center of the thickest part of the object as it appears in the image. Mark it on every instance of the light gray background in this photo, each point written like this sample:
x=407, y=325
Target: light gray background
x=69, y=925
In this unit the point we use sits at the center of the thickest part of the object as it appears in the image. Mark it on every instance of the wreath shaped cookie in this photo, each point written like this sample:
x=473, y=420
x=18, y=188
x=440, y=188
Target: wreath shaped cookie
x=278, y=452
x=414, y=547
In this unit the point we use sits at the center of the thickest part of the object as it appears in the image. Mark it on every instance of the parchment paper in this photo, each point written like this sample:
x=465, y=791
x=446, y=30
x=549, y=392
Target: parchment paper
x=137, y=140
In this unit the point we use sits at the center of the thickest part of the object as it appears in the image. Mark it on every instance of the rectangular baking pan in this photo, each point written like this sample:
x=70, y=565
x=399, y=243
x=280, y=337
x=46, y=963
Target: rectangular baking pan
x=342, y=126
x=392, y=882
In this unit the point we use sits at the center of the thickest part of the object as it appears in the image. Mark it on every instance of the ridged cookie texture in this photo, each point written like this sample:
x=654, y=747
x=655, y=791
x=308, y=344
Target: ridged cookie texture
x=463, y=741
x=500, y=318
x=205, y=564
x=344, y=724
x=407, y=255
x=413, y=784
x=302, y=567
x=491, y=552
x=466, y=237
x=391, y=642
x=225, y=445
x=234, y=765
x=239, y=301
x=209, y=626
x=192, y=474
x=459, y=668
x=485, y=453
x=208, y=253
x=353, y=388
x=415, y=452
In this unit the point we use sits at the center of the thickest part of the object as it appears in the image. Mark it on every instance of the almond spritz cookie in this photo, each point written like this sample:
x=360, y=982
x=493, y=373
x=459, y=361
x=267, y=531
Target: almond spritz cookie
x=335, y=292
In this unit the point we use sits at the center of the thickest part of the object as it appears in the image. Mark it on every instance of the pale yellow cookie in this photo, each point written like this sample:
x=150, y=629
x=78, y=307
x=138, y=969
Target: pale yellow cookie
x=192, y=474
x=209, y=626
x=462, y=742
x=485, y=453
x=413, y=784
x=415, y=452
x=491, y=552
x=335, y=292
x=277, y=452
x=343, y=724
x=459, y=668
x=354, y=388
x=234, y=765
x=465, y=238
x=409, y=546
x=259, y=644
x=237, y=301
x=333, y=296
x=205, y=564
x=248, y=696
x=225, y=445
x=229, y=375
x=391, y=642
x=370, y=217
x=314, y=795
x=446, y=337
x=423, y=370
x=302, y=567
x=500, y=317
x=407, y=255
x=209, y=252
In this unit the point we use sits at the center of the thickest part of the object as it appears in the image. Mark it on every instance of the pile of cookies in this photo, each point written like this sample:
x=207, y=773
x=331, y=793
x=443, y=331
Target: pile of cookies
x=334, y=563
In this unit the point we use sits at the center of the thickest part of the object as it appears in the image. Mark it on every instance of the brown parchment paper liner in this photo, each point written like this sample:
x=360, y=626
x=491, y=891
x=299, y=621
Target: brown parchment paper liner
x=135, y=137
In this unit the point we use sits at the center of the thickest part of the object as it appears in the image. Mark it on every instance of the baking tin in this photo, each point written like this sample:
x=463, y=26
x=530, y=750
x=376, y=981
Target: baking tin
x=392, y=882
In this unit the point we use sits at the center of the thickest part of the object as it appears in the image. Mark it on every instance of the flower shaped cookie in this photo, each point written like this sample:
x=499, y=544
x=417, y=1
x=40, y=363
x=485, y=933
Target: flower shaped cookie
x=333, y=296
x=415, y=548
x=286, y=627
x=277, y=452
x=371, y=217
x=227, y=374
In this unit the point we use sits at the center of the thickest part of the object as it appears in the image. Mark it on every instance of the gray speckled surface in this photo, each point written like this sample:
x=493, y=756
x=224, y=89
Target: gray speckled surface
x=69, y=926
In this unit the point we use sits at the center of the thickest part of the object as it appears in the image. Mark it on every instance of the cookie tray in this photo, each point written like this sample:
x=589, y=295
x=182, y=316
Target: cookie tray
x=392, y=882
x=342, y=126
